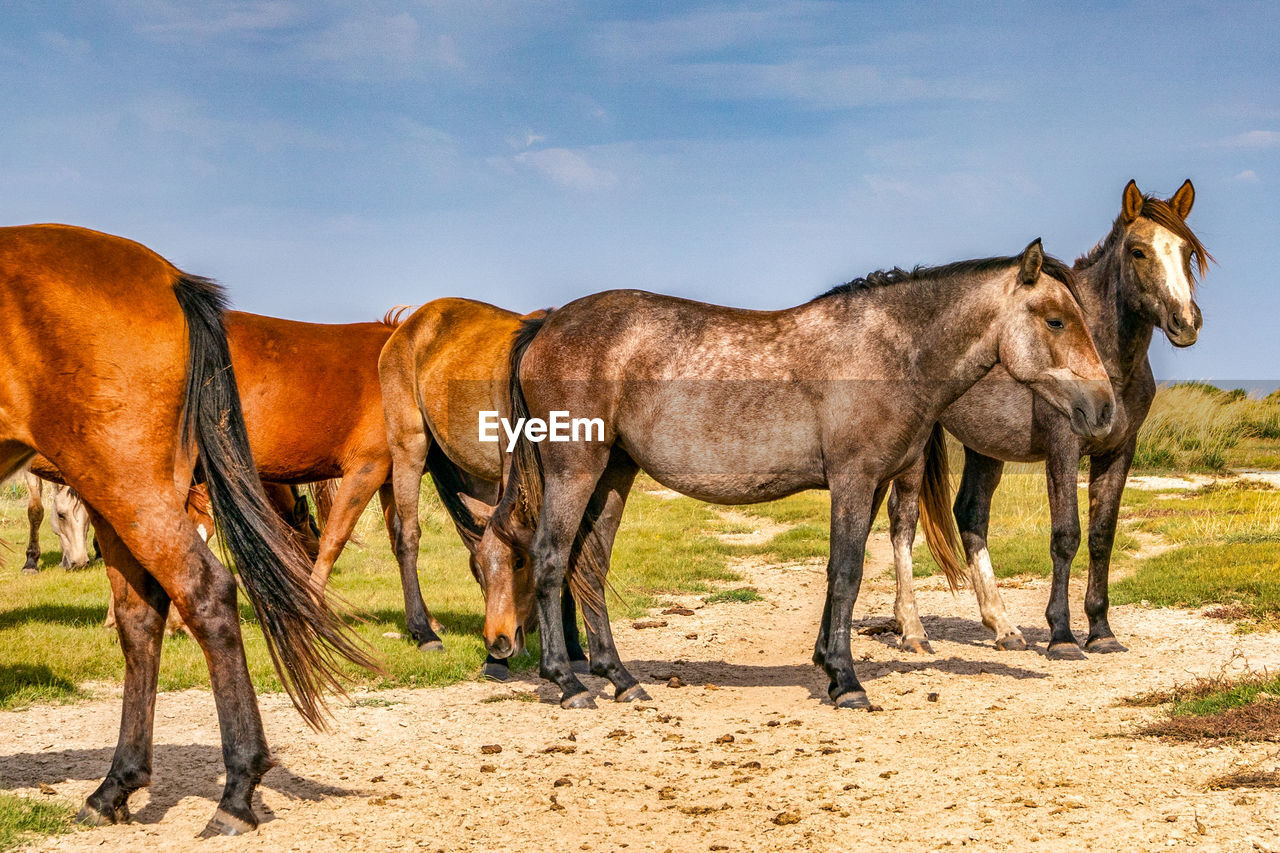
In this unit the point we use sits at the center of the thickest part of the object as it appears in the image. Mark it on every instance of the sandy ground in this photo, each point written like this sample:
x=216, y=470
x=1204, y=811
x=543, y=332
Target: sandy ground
x=973, y=747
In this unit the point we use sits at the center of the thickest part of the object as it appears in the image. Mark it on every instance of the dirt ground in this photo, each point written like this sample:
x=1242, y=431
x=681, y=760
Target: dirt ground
x=973, y=747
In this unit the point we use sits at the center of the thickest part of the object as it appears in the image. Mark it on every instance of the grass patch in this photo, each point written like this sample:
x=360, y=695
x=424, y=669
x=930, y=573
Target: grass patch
x=1228, y=548
x=742, y=594
x=23, y=819
x=1194, y=426
x=1244, y=779
x=1245, y=707
x=52, y=639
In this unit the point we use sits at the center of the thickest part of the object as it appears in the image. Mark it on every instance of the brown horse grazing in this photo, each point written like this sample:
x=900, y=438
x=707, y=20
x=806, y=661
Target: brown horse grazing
x=313, y=408
x=445, y=364
x=736, y=407
x=1140, y=277
x=70, y=523
x=127, y=426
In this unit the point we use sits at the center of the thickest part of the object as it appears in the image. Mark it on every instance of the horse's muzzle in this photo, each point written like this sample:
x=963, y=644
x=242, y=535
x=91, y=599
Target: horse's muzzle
x=504, y=647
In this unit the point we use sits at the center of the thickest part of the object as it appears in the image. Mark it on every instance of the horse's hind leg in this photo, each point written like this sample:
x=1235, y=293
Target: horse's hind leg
x=973, y=514
x=421, y=624
x=164, y=542
x=139, y=604
x=607, y=503
x=904, y=514
x=409, y=444
x=35, y=515
x=853, y=505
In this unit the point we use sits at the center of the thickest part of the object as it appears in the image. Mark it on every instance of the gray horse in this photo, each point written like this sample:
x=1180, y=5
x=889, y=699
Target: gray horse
x=1139, y=278
x=736, y=407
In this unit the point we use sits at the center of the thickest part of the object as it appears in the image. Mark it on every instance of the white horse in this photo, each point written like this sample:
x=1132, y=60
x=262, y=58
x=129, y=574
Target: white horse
x=70, y=523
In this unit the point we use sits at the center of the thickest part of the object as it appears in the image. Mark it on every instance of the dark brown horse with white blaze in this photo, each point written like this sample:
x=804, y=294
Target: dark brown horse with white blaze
x=127, y=426
x=736, y=407
x=1139, y=278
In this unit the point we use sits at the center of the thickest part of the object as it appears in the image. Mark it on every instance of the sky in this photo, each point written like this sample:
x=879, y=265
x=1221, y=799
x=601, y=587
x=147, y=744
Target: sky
x=329, y=160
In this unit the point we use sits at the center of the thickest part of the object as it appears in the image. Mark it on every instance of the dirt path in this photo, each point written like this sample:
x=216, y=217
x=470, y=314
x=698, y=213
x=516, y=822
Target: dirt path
x=974, y=747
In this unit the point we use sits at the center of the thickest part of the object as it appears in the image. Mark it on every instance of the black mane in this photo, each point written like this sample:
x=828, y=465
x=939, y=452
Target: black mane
x=1052, y=267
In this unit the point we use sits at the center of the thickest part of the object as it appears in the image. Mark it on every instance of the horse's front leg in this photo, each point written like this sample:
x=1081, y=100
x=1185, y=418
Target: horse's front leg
x=973, y=516
x=1107, y=475
x=1061, y=468
x=565, y=500
x=35, y=515
x=854, y=500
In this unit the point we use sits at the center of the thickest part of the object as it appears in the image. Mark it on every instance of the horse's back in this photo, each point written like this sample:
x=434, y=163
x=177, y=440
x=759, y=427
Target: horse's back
x=451, y=359
x=310, y=393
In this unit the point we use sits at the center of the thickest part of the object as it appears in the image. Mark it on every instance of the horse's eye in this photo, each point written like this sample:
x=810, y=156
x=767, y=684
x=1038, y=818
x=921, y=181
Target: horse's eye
x=1138, y=253
x=1055, y=324
x=519, y=564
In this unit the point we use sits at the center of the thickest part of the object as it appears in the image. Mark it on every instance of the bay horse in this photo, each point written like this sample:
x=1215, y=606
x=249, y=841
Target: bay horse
x=735, y=407
x=128, y=426
x=447, y=362
x=70, y=523
x=1140, y=277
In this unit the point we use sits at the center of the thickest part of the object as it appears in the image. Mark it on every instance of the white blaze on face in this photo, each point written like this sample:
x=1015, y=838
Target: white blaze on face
x=1168, y=248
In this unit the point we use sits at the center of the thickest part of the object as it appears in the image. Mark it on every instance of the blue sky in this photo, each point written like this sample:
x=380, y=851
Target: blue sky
x=328, y=160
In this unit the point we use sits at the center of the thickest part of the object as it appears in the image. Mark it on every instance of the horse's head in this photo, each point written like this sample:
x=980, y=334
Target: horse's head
x=507, y=582
x=70, y=523
x=1158, y=251
x=1045, y=344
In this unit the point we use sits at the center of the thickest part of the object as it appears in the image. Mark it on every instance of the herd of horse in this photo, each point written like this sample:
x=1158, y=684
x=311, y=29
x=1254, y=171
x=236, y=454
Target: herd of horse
x=210, y=415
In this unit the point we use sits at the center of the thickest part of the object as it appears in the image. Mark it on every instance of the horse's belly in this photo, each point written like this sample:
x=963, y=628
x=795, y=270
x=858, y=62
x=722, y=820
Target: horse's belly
x=727, y=450
x=996, y=417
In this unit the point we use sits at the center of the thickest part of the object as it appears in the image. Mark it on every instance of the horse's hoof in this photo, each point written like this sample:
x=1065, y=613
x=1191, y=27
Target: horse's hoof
x=915, y=644
x=854, y=700
x=1064, y=651
x=224, y=823
x=431, y=646
x=582, y=667
x=91, y=816
x=578, y=700
x=634, y=693
x=496, y=672
x=1105, y=646
x=1012, y=643
x=30, y=570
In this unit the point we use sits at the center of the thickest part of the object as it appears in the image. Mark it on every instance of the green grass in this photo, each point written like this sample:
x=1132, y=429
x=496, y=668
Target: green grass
x=1228, y=550
x=52, y=641
x=742, y=594
x=23, y=819
x=1194, y=426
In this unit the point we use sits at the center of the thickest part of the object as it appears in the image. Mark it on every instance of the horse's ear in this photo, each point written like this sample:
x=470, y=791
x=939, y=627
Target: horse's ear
x=1032, y=261
x=1131, y=202
x=1183, y=199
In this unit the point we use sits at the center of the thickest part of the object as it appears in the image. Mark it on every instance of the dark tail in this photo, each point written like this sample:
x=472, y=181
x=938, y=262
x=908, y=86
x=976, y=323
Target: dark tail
x=935, y=511
x=522, y=494
x=307, y=640
x=450, y=488
x=322, y=495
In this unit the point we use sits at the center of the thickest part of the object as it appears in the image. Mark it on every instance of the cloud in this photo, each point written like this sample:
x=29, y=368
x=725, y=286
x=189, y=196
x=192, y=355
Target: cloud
x=1253, y=139
x=173, y=21
x=705, y=31
x=366, y=43
x=818, y=84
x=568, y=168
x=72, y=48
x=1248, y=176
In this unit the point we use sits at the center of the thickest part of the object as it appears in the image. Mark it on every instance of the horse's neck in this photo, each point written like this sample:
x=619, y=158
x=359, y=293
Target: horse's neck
x=1121, y=335
x=942, y=332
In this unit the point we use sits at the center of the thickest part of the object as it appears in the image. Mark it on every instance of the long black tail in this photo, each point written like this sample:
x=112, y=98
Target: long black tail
x=450, y=486
x=522, y=495
x=307, y=640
